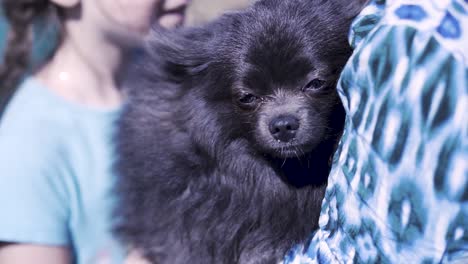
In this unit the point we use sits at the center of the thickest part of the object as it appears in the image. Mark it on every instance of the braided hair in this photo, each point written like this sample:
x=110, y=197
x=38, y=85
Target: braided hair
x=21, y=15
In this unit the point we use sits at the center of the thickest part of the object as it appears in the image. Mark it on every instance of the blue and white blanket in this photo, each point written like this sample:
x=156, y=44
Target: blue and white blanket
x=397, y=192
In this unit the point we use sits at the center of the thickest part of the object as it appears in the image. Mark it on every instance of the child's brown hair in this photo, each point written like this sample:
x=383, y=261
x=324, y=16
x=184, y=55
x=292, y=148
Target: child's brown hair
x=20, y=15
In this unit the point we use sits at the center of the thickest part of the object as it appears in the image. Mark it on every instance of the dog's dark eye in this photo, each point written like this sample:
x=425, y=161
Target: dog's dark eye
x=315, y=84
x=247, y=99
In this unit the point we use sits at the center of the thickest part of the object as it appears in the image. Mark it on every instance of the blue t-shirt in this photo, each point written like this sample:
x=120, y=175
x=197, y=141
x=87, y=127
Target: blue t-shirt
x=56, y=175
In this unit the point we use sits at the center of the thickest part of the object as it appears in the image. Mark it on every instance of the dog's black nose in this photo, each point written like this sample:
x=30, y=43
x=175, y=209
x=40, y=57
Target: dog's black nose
x=284, y=128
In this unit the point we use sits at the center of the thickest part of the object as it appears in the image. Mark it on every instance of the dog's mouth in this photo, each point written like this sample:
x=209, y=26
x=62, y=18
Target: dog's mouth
x=290, y=151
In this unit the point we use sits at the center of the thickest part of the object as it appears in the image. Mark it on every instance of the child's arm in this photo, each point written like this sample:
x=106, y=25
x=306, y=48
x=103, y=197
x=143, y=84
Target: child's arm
x=27, y=253
x=33, y=198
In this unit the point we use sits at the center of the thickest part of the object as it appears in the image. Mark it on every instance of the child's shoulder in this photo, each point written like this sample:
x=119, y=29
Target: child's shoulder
x=39, y=130
x=31, y=117
x=36, y=131
x=32, y=192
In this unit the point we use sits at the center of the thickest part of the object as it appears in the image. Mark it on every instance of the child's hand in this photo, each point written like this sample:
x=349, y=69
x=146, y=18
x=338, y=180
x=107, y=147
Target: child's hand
x=135, y=257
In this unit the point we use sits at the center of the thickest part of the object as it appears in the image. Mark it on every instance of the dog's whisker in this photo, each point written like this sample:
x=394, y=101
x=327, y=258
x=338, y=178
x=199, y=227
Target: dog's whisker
x=284, y=162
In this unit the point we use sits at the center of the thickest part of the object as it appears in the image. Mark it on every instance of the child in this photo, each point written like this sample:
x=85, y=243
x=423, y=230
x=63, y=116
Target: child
x=56, y=133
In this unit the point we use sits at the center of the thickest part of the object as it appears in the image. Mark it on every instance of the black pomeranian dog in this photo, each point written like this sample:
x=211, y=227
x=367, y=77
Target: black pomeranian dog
x=225, y=143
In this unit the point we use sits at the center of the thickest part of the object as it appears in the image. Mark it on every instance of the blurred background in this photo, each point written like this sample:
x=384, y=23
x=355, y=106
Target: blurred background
x=199, y=12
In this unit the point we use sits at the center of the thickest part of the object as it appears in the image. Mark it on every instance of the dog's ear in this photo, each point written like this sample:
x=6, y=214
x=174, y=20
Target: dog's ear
x=345, y=9
x=180, y=53
x=351, y=8
x=338, y=14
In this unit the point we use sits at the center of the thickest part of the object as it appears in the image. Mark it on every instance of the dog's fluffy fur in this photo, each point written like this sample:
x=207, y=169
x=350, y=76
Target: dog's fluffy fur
x=203, y=178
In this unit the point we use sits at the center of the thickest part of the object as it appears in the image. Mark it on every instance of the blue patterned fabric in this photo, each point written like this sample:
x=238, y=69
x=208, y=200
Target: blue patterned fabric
x=397, y=192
